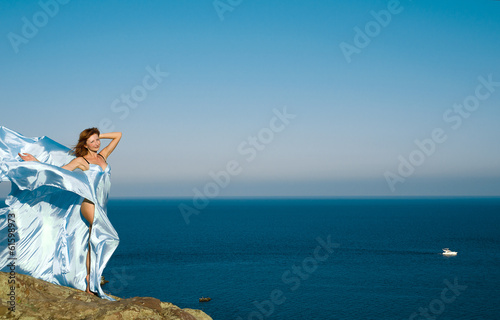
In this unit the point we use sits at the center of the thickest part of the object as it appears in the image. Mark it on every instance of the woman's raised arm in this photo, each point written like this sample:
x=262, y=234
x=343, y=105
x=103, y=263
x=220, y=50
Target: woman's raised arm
x=116, y=136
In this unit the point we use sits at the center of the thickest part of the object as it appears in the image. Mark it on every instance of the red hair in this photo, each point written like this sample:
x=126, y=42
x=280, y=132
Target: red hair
x=80, y=149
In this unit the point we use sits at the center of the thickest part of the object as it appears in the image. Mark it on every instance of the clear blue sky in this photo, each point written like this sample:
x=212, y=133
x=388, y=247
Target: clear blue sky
x=363, y=85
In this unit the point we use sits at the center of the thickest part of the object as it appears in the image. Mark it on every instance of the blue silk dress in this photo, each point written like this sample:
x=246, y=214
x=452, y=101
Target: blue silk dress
x=44, y=206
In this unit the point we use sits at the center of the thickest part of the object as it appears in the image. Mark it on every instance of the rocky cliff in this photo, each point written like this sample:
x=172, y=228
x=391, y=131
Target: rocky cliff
x=37, y=299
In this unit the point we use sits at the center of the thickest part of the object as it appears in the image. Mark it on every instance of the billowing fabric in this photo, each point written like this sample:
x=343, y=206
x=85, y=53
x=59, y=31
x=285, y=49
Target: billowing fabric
x=44, y=204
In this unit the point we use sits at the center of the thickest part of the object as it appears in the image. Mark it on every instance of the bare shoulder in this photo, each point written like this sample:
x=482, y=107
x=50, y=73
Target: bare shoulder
x=80, y=160
x=81, y=163
x=77, y=162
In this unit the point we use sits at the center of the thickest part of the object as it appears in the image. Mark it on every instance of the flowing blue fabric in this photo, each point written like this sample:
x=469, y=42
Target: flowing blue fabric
x=44, y=205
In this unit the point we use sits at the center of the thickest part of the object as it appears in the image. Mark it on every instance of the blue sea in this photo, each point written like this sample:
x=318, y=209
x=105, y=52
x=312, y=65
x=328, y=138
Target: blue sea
x=312, y=258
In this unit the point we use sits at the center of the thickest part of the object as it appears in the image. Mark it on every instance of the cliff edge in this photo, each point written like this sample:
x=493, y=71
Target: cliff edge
x=38, y=299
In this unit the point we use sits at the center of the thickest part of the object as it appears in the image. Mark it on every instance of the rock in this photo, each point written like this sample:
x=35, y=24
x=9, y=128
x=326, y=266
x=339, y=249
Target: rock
x=38, y=299
x=103, y=281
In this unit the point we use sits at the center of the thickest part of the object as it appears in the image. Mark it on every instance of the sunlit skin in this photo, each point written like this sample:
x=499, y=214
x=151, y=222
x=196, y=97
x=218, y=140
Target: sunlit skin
x=92, y=145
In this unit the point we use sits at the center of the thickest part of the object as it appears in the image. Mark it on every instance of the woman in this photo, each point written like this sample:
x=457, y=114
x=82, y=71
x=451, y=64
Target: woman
x=47, y=199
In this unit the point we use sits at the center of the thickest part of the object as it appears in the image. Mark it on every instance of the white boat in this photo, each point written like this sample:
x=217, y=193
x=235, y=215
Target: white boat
x=448, y=252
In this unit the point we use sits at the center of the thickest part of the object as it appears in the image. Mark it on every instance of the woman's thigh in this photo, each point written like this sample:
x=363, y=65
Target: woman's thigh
x=87, y=210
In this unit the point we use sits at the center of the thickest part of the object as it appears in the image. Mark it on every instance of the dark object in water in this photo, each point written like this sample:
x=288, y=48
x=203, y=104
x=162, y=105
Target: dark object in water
x=103, y=281
x=205, y=299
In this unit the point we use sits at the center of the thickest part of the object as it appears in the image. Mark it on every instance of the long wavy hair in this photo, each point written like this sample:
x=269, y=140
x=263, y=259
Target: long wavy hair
x=80, y=149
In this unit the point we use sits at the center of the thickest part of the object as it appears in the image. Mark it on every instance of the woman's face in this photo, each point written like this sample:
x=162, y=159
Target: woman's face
x=93, y=143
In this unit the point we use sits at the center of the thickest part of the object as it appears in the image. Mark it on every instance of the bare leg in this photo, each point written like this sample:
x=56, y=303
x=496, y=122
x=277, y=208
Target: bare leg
x=87, y=210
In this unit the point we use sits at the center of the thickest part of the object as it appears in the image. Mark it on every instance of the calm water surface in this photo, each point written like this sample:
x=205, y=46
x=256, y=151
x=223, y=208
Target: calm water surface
x=261, y=259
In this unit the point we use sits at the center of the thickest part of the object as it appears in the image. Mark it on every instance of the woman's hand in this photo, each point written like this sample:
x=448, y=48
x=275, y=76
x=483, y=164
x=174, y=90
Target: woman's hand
x=27, y=157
